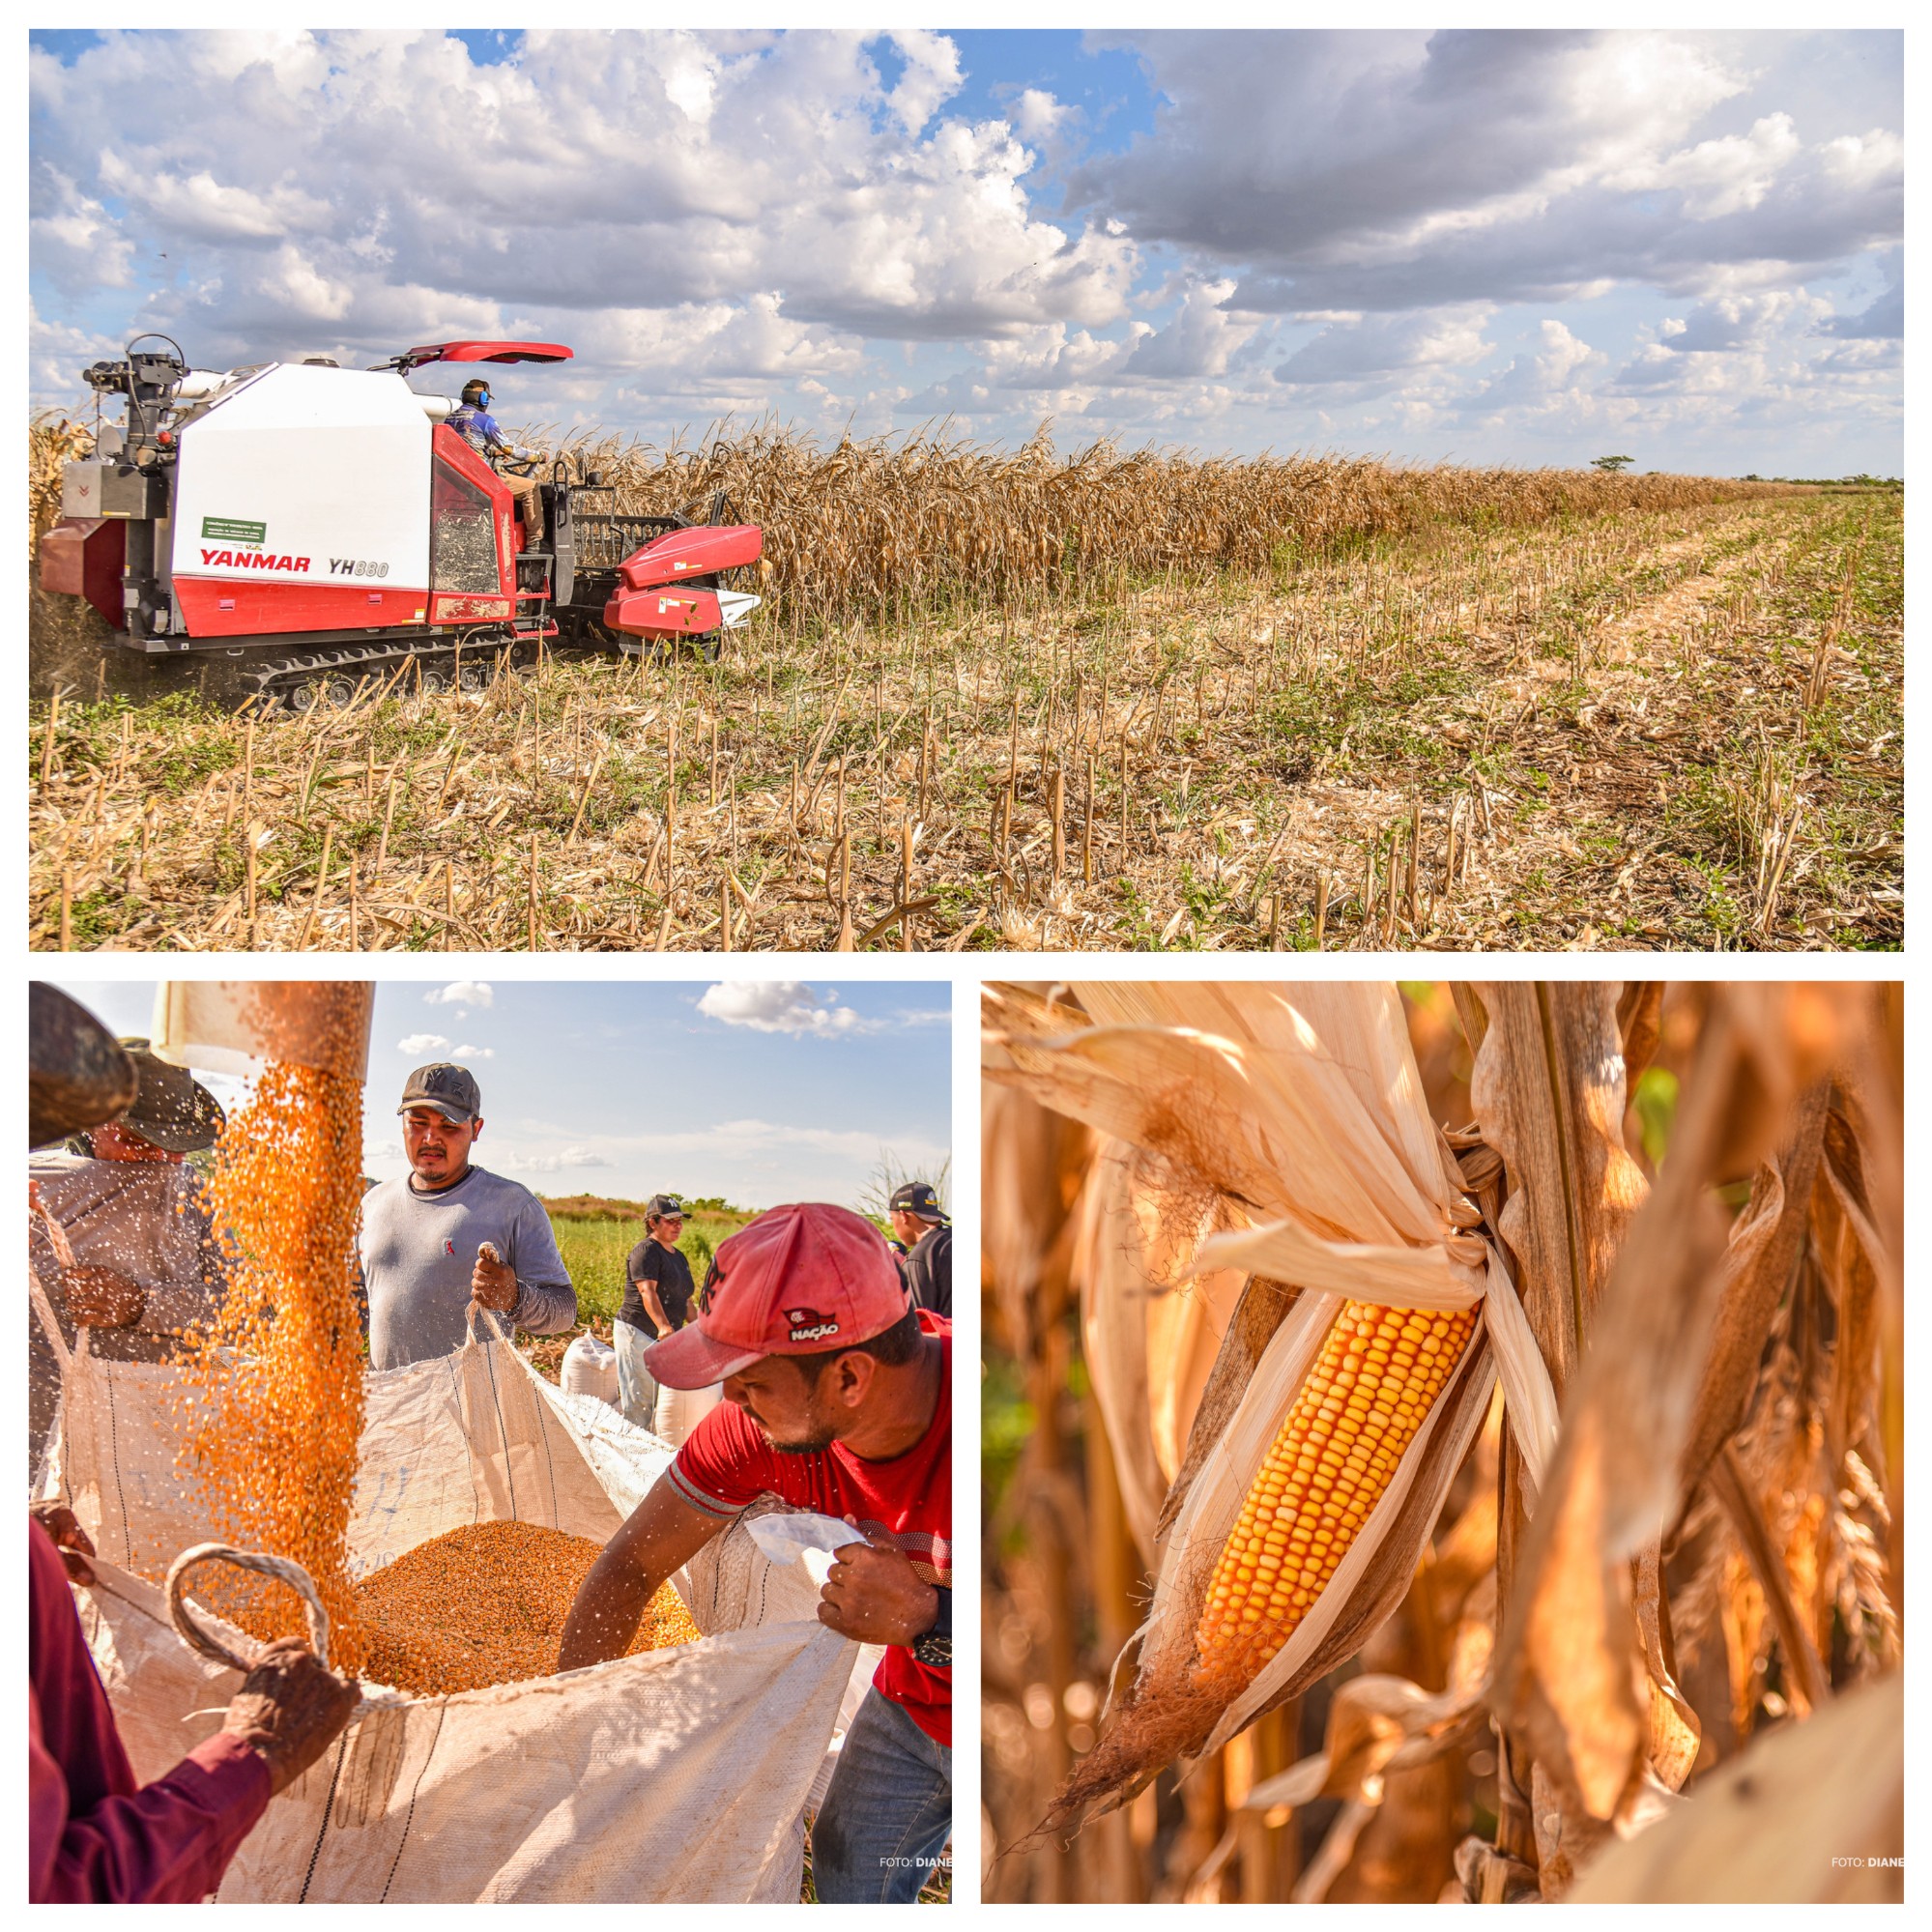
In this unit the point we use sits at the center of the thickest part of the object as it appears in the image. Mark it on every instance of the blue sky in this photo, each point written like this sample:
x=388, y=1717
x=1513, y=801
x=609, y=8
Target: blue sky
x=1496, y=247
x=761, y=1091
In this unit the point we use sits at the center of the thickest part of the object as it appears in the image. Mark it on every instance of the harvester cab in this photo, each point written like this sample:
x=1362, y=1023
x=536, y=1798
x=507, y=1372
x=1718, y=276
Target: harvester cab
x=312, y=526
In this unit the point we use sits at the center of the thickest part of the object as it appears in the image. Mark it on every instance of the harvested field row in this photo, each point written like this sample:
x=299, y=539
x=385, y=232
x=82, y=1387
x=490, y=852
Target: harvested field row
x=1654, y=728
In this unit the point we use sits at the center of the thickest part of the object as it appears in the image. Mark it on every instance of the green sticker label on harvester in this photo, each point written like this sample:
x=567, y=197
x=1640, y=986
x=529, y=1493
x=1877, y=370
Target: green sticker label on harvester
x=232, y=529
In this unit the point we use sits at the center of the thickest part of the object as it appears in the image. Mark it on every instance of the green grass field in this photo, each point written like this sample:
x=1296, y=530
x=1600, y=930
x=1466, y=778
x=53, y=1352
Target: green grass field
x=595, y=1248
x=595, y=1234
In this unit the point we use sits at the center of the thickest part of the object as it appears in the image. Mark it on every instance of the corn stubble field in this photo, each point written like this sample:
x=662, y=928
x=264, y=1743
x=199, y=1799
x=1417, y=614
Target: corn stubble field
x=1017, y=701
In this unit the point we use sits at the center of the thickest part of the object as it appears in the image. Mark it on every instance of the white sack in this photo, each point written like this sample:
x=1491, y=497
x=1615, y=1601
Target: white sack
x=676, y=1776
x=590, y=1369
x=679, y=1411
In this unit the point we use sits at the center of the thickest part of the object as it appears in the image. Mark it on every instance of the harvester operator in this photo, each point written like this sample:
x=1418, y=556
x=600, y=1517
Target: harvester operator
x=96, y=1834
x=420, y=1232
x=838, y=1399
x=472, y=421
x=122, y=1243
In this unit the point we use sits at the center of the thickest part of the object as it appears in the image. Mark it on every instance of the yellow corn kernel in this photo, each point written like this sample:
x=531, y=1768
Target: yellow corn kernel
x=1379, y=1373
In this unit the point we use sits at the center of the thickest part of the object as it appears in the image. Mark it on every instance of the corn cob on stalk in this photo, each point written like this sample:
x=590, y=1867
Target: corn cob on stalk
x=1379, y=1371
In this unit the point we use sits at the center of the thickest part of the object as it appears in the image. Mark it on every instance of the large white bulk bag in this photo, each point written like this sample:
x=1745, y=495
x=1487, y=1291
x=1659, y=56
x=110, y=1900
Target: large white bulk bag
x=679, y=1411
x=590, y=1369
x=677, y=1776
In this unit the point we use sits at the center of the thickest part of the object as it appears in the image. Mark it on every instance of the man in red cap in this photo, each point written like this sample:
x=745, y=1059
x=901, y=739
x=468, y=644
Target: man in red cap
x=837, y=1400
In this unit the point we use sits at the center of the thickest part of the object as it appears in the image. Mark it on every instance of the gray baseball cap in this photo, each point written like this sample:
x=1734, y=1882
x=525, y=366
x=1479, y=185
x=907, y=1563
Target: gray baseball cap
x=448, y=1088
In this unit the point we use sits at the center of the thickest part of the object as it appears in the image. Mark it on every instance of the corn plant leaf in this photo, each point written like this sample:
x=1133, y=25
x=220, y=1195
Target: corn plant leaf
x=1376, y=1724
x=1753, y=1291
x=1527, y=1390
x=1773, y=1824
x=1113, y=1293
x=1328, y=1071
x=1670, y=1747
x=1571, y=1673
x=1640, y=1022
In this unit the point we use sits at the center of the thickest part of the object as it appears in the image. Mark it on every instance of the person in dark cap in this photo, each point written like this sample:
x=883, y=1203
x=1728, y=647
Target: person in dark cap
x=122, y=1243
x=449, y=1232
x=921, y=1225
x=838, y=1399
x=96, y=1834
x=658, y=1289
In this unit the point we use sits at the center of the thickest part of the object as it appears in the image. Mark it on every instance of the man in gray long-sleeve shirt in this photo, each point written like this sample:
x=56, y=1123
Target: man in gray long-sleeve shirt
x=447, y=1233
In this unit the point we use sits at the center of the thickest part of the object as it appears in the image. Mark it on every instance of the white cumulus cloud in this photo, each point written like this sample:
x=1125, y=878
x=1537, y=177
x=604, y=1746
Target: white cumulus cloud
x=549, y=1163
x=777, y=1006
x=462, y=993
x=422, y=1043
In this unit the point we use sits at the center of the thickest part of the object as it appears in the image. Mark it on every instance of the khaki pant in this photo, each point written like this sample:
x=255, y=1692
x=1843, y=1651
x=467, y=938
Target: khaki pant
x=522, y=492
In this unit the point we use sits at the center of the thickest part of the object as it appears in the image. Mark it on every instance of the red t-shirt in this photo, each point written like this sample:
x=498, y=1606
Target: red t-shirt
x=726, y=1463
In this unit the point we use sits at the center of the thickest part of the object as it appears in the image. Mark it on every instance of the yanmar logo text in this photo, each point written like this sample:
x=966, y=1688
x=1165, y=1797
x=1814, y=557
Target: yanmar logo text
x=250, y=560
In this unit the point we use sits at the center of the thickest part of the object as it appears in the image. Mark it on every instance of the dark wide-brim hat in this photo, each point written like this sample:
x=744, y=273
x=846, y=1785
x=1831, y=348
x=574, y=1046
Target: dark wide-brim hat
x=172, y=1110
x=78, y=1075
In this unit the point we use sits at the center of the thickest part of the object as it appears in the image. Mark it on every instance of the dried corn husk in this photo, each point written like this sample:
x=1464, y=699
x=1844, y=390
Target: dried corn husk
x=1297, y=1113
x=1150, y=1333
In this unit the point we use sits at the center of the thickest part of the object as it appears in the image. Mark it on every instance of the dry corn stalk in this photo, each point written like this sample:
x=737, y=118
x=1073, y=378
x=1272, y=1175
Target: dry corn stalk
x=1578, y=1676
x=1293, y=1117
x=1031, y=1163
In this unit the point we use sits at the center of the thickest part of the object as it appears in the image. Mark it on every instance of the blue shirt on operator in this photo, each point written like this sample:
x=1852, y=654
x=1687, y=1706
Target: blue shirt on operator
x=477, y=427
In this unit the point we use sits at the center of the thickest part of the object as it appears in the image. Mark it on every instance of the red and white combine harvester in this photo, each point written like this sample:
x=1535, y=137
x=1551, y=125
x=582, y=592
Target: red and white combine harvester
x=314, y=524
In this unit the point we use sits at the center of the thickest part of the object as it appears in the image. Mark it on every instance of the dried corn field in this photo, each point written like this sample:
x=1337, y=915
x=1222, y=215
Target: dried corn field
x=1619, y=1619
x=1006, y=702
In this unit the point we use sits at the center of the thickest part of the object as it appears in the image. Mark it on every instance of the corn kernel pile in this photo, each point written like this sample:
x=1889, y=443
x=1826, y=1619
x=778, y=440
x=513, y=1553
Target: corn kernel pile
x=274, y=1389
x=486, y=1604
x=1378, y=1373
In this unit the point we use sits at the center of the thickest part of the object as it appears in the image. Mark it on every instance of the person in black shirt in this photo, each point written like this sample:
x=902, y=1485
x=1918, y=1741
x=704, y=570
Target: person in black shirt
x=658, y=1292
x=920, y=1222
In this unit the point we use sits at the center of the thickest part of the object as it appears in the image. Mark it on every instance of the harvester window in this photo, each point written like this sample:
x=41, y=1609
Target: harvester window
x=462, y=535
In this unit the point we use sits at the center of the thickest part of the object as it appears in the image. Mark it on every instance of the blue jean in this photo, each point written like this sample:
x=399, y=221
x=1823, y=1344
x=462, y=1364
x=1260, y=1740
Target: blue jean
x=887, y=1813
x=637, y=1388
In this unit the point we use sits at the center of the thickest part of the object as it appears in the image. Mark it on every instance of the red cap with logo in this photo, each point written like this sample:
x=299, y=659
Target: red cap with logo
x=799, y=1280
